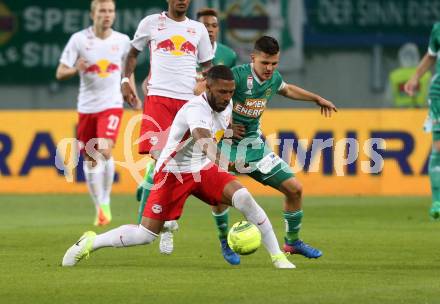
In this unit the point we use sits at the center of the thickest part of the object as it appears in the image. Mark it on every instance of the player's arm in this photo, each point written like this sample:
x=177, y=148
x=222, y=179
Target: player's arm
x=425, y=64
x=127, y=90
x=208, y=146
x=201, y=81
x=138, y=105
x=296, y=93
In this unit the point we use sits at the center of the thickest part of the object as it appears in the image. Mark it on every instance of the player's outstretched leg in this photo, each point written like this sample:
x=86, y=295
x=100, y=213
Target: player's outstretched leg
x=293, y=215
x=123, y=236
x=221, y=218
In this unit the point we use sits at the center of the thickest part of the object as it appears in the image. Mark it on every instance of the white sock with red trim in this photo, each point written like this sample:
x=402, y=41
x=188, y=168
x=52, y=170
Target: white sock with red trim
x=108, y=178
x=245, y=203
x=124, y=236
x=94, y=179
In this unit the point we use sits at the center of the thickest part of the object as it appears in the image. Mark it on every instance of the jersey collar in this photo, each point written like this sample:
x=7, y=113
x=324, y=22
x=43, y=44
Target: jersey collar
x=257, y=79
x=171, y=20
x=214, y=47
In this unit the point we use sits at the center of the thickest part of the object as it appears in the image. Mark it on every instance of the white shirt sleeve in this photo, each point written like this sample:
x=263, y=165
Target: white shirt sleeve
x=142, y=35
x=198, y=116
x=432, y=53
x=205, y=48
x=282, y=86
x=126, y=46
x=71, y=52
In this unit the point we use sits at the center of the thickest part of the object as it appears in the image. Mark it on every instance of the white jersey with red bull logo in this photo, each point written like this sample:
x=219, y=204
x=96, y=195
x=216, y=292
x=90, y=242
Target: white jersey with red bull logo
x=175, y=49
x=180, y=154
x=100, y=83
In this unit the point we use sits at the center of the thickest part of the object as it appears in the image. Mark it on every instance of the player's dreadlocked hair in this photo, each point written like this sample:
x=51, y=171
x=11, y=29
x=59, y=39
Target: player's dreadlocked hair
x=95, y=2
x=207, y=11
x=267, y=44
x=220, y=72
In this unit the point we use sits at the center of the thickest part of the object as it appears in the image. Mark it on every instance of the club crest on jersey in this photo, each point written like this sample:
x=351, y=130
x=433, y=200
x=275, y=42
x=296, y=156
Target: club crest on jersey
x=250, y=85
x=156, y=209
x=161, y=26
x=115, y=48
x=268, y=92
x=191, y=31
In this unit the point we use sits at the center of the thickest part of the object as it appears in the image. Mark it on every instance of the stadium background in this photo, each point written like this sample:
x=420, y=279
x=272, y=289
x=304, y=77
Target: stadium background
x=341, y=49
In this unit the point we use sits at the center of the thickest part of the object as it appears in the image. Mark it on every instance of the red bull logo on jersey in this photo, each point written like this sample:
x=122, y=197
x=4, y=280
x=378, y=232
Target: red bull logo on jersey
x=176, y=45
x=103, y=68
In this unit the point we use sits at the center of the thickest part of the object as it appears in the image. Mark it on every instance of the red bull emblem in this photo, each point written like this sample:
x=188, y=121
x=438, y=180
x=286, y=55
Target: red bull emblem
x=177, y=46
x=103, y=68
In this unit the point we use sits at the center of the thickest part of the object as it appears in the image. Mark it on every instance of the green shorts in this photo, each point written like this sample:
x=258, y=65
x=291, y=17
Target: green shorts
x=264, y=165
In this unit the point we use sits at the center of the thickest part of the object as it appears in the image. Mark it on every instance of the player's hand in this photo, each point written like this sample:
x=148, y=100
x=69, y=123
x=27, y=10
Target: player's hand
x=129, y=95
x=144, y=87
x=238, y=131
x=138, y=104
x=411, y=86
x=326, y=106
x=200, y=86
x=231, y=167
x=81, y=64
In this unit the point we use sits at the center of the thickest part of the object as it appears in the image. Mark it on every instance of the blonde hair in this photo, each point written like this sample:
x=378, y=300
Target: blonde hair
x=95, y=2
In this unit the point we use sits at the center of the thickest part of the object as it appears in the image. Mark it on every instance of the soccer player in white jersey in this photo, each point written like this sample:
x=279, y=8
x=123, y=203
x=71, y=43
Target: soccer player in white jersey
x=177, y=44
x=188, y=165
x=97, y=55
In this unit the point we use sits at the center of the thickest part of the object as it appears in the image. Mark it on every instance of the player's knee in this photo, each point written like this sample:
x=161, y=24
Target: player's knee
x=146, y=236
x=106, y=153
x=293, y=189
x=243, y=201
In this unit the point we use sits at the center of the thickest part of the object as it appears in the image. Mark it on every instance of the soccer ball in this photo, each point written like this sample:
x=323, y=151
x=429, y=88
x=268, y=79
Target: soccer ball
x=244, y=238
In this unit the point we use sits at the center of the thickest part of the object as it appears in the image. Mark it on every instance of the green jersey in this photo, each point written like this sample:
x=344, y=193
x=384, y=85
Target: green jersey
x=224, y=55
x=434, y=50
x=251, y=96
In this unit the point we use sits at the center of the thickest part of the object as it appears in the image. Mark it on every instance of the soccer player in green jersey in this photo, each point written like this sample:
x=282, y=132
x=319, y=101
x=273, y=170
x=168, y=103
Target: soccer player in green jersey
x=223, y=55
x=433, y=120
x=256, y=83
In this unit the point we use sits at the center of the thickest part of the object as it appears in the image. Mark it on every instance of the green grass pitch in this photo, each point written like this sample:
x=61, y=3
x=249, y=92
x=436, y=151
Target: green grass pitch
x=376, y=250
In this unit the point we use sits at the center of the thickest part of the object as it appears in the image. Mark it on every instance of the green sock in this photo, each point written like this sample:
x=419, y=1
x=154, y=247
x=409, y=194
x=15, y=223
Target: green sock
x=221, y=221
x=145, y=188
x=293, y=224
x=434, y=175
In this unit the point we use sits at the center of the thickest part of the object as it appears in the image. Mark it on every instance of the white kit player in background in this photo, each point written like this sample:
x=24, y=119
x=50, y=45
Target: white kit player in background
x=177, y=44
x=97, y=55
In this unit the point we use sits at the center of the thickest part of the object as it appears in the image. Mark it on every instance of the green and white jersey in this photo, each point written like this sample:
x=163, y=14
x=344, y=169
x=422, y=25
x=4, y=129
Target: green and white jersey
x=224, y=55
x=251, y=97
x=434, y=50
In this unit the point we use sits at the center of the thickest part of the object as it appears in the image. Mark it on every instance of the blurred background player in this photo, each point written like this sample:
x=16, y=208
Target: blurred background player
x=409, y=58
x=190, y=151
x=177, y=44
x=223, y=55
x=433, y=121
x=97, y=55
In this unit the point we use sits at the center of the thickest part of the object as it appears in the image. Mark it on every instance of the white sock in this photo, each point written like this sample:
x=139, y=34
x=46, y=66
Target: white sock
x=245, y=203
x=108, y=177
x=124, y=236
x=94, y=178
